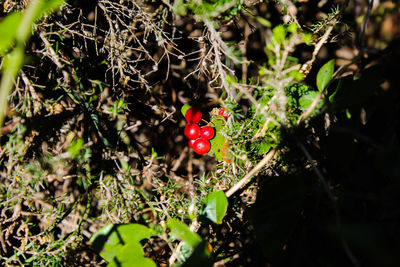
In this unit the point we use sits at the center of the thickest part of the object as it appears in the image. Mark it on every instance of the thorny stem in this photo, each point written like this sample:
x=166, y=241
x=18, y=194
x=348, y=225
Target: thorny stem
x=220, y=48
x=305, y=69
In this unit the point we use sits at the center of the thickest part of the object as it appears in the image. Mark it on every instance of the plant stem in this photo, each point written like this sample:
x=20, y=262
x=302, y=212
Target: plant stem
x=247, y=178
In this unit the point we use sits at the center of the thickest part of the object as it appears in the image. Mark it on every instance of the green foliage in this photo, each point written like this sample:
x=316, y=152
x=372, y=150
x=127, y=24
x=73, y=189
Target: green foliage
x=120, y=244
x=325, y=74
x=194, y=250
x=218, y=122
x=110, y=131
x=184, y=109
x=179, y=230
x=210, y=9
x=8, y=31
x=17, y=29
x=215, y=206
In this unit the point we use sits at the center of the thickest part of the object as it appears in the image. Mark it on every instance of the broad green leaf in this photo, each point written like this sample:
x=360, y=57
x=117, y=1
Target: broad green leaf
x=131, y=255
x=218, y=122
x=200, y=257
x=216, y=144
x=306, y=100
x=325, y=74
x=185, y=252
x=184, y=109
x=111, y=238
x=14, y=61
x=179, y=230
x=48, y=7
x=8, y=31
x=215, y=206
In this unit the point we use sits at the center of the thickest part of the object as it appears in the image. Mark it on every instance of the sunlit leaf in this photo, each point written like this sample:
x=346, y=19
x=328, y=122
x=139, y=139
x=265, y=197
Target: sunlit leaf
x=218, y=122
x=179, y=230
x=325, y=74
x=184, y=109
x=131, y=255
x=215, y=206
x=47, y=7
x=111, y=238
x=8, y=31
x=75, y=147
x=278, y=34
x=307, y=99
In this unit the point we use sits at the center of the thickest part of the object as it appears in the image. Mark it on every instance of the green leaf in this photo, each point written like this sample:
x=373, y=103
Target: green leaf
x=179, y=230
x=278, y=34
x=325, y=74
x=131, y=255
x=264, y=22
x=216, y=144
x=185, y=252
x=306, y=100
x=13, y=61
x=200, y=257
x=263, y=148
x=111, y=238
x=184, y=109
x=49, y=6
x=218, y=122
x=43, y=8
x=8, y=31
x=75, y=147
x=215, y=207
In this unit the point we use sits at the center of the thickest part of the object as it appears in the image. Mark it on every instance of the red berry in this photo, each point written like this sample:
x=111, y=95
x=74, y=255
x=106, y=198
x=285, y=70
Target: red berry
x=193, y=115
x=192, y=131
x=191, y=142
x=207, y=132
x=223, y=113
x=201, y=146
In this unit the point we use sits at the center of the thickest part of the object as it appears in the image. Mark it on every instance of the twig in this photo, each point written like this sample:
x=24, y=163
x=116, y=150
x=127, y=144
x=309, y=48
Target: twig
x=361, y=39
x=51, y=53
x=247, y=178
x=305, y=69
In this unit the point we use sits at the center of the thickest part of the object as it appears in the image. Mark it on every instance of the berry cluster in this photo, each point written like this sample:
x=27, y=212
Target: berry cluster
x=198, y=137
x=223, y=113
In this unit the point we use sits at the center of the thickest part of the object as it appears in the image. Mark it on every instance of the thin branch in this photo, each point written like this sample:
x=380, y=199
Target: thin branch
x=247, y=178
x=305, y=69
